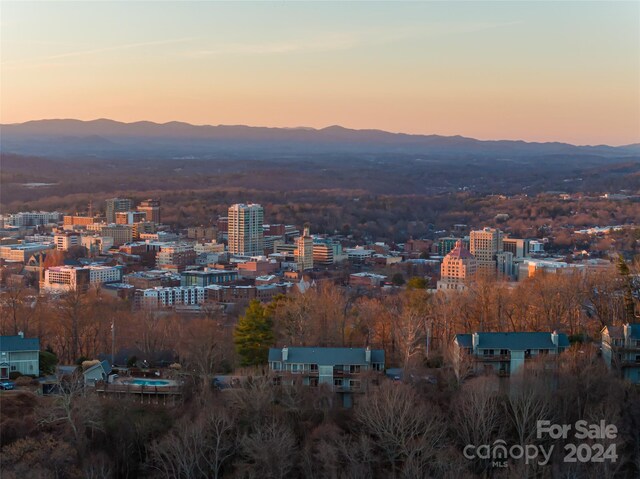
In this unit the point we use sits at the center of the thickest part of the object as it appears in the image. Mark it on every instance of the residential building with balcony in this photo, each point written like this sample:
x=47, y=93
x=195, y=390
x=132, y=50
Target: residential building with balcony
x=504, y=354
x=19, y=355
x=621, y=350
x=346, y=371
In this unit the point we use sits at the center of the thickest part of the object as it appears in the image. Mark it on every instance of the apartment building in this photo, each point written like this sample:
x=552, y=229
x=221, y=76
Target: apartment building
x=245, y=230
x=346, y=371
x=621, y=350
x=130, y=217
x=504, y=354
x=175, y=257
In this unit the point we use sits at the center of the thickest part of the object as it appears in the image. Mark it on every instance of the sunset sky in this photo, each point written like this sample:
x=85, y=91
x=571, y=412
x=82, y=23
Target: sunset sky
x=535, y=71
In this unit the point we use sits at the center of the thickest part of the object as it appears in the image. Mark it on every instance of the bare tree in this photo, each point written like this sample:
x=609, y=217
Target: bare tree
x=401, y=426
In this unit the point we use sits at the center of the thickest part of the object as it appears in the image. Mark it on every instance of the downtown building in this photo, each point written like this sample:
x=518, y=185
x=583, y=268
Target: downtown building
x=115, y=205
x=245, y=230
x=151, y=210
x=458, y=267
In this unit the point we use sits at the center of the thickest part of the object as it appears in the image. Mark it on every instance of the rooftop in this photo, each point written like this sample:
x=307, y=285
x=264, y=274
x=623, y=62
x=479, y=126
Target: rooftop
x=326, y=356
x=513, y=341
x=19, y=343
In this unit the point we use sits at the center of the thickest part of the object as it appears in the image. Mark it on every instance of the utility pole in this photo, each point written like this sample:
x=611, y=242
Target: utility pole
x=113, y=341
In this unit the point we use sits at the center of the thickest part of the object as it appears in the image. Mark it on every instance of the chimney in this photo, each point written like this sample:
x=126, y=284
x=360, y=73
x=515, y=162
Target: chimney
x=475, y=338
x=554, y=338
x=21, y=334
x=627, y=332
x=367, y=355
x=285, y=354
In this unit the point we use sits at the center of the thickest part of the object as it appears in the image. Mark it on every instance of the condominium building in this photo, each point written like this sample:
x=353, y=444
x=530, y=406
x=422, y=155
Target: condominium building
x=621, y=350
x=114, y=205
x=343, y=370
x=151, y=209
x=159, y=298
x=304, y=251
x=458, y=267
x=485, y=244
x=504, y=353
x=245, y=231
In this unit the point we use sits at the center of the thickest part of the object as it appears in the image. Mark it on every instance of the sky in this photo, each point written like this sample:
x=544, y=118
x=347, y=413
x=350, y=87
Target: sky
x=536, y=71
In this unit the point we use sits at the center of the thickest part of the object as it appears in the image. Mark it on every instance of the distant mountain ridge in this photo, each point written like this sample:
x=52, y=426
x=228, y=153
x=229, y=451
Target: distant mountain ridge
x=104, y=138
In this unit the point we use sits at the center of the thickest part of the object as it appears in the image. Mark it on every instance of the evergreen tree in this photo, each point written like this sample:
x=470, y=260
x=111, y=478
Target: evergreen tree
x=254, y=335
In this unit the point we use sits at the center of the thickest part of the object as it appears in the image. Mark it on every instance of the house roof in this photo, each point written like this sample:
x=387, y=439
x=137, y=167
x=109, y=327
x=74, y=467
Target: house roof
x=18, y=343
x=326, y=356
x=513, y=341
x=105, y=365
x=617, y=332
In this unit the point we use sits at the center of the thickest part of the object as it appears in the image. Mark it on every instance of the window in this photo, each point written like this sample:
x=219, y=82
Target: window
x=504, y=352
x=337, y=382
x=13, y=368
x=314, y=367
x=354, y=368
x=355, y=384
x=377, y=366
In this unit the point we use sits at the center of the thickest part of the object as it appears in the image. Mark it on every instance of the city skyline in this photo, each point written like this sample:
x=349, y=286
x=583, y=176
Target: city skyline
x=538, y=72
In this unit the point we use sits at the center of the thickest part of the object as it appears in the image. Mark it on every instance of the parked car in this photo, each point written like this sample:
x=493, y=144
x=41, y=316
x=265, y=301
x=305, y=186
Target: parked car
x=7, y=385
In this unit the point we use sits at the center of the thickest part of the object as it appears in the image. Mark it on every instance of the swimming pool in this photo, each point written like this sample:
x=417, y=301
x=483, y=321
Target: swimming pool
x=148, y=382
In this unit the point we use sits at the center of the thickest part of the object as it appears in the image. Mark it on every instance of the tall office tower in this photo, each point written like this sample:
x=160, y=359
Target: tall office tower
x=246, y=234
x=117, y=204
x=152, y=209
x=485, y=244
x=458, y=266
x=304, y=251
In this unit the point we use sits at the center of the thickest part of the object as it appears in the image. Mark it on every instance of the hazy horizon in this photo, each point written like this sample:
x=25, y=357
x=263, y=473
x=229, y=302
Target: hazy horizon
x=538, y=72
x=306, y=127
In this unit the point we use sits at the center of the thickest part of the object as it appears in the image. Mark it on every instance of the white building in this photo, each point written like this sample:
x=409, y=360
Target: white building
x=73, y=278
x=358, y=254
x=245, y=232
x=66, y=240
x=34, y=218
x=158, y=298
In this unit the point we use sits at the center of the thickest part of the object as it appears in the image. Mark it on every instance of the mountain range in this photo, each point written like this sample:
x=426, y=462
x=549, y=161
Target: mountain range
x=105, y=138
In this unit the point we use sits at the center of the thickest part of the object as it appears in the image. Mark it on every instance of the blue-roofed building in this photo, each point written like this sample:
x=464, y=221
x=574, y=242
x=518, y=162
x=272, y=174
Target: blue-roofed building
x=19, y=354
x=341, y=369
x=504, y=353
x=621, y=350
x=98, y=372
